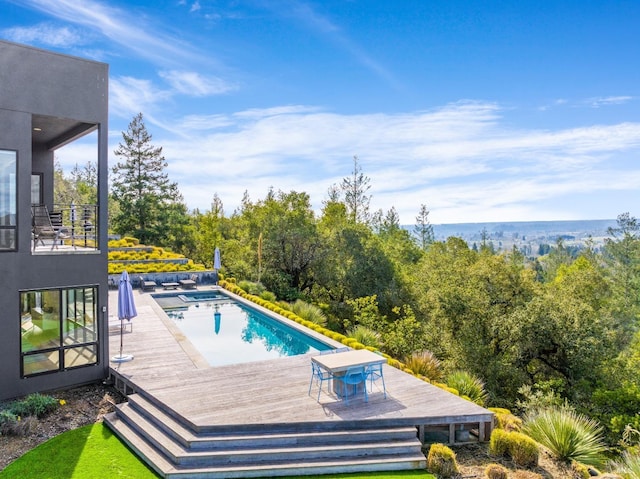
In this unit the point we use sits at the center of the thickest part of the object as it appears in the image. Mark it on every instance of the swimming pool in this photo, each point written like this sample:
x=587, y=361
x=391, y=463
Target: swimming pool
x=225, y=331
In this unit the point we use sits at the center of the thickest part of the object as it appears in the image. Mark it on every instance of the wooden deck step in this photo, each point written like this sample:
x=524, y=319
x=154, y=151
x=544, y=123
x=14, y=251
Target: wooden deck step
x=276, y=469
x=175, y=450
x=303, y=435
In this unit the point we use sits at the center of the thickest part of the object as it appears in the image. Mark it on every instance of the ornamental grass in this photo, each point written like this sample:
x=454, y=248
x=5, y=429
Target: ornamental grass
x=567, y=435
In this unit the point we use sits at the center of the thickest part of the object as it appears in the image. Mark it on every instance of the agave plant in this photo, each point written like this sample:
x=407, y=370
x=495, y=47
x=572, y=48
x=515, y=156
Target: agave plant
x=365, y=336
x=468, y=385
x=425, y=364
x=567, y=434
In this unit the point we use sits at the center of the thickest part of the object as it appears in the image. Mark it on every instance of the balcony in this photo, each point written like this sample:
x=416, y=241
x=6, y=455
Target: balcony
x=75, y=229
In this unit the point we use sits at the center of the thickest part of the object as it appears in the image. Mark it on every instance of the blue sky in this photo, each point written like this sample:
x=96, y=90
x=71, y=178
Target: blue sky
x=482, y=110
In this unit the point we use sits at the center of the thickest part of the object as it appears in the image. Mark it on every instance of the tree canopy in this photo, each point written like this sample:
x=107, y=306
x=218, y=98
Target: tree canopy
x=150, y=206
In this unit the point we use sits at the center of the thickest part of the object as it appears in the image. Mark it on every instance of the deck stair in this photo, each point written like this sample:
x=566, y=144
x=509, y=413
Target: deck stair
x=175, y=448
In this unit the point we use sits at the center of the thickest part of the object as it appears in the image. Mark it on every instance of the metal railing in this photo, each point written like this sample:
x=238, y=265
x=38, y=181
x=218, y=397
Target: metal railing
x=78, y=225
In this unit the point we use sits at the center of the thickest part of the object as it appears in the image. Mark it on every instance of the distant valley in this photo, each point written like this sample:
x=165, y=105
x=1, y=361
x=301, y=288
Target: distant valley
x=528, y=236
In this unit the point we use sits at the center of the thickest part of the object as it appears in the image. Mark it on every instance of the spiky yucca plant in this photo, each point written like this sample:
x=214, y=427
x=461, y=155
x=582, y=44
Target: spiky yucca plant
x=468, y=385
x=425, y=364
x=309, y=312
x=366, y=336
x=628, y=466
x=567, y=434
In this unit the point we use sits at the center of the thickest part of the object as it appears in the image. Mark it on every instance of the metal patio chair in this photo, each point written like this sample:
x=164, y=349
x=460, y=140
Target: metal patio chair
x=43, y=227
x=319, y=375
x=373, y=373
x=351, y=380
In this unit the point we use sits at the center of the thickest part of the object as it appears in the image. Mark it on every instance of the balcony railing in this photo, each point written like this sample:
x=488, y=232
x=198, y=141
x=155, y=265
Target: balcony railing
x=77, y=226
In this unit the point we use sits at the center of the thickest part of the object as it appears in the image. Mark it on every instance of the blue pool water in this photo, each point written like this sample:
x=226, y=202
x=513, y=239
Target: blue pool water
x=227, y=332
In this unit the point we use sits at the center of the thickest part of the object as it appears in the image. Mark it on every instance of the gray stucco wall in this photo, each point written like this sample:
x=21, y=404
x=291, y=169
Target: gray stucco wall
x=36, y=82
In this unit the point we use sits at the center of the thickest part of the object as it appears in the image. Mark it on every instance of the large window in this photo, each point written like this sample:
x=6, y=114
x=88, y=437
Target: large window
x=59, y=329
x=8, y=165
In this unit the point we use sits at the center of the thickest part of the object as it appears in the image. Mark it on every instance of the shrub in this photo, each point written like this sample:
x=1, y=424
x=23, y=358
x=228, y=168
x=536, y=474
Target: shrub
x=581, y=470
x=468, y=385
x=268, y=296
x=505, y=420
x=251, y=287
x=24, y=426
x=520, y=448
x=441, y=461
x=7, y=422
x=523, y=450
x=496, y=471
x=309, y=312
x=628, y=465
x=424, y=363
x=366, y=336
x=37, y=405
x=499, y=443
x=568, y=435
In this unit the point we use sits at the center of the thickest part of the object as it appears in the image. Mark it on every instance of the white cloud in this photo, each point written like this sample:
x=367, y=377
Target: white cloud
x=194, y=84
x=609, y=100
x=44, y=34
x=148, y=41
x=461, y=160
x=129, y=96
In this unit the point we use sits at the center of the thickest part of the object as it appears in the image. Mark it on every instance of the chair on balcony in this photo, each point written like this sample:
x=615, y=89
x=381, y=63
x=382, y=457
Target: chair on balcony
x=43, y=227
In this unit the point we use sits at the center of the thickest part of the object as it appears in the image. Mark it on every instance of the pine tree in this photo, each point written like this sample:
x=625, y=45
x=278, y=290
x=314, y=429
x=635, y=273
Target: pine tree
x=142, y=188
x=355, y=189
x=424, y=229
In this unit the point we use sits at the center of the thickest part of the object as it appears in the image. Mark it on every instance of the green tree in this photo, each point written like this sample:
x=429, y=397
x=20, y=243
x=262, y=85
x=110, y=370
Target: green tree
x=622, y=253
x=80, y=186
x=209, y=229
x=423, y=228
x=464, y=298
x=142, y=188
x=290, y=243
x=355, y=188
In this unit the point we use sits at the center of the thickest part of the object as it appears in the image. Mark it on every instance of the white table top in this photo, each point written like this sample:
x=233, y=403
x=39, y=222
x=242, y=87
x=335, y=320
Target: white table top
x=337, y=362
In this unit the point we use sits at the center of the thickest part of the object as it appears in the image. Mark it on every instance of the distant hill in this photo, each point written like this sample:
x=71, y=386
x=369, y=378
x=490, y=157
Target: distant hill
x=532, y=238
x=547, y=229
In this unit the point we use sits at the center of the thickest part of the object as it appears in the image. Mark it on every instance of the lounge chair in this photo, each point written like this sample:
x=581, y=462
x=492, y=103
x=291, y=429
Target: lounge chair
x=189, y=283
x=146, y=285
x=43, y=228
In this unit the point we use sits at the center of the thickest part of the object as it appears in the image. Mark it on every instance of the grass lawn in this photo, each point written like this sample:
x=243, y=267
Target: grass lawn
x=93, y=451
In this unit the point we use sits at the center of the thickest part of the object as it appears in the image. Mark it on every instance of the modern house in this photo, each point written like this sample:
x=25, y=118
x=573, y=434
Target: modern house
x=53, y=256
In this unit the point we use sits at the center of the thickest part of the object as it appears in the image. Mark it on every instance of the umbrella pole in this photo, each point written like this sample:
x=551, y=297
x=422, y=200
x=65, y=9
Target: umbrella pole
x=121, y=358
x=121, y=334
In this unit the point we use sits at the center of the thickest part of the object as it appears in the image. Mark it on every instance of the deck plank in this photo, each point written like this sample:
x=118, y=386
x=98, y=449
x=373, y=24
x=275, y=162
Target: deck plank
x=168, y=368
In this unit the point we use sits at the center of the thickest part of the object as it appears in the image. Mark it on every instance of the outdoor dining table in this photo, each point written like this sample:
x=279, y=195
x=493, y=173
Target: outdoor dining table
x=338, y=364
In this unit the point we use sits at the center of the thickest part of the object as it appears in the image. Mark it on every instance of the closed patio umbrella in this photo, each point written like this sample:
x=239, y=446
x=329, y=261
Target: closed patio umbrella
x=126, y=310
x=217, y=264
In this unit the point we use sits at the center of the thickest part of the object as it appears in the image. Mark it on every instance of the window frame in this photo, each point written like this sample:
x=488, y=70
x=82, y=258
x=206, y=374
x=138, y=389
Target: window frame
x=11, y=228
x=62, y=348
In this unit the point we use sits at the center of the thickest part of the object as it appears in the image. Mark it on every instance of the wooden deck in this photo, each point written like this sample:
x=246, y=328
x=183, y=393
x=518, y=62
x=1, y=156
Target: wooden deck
x=275, y=392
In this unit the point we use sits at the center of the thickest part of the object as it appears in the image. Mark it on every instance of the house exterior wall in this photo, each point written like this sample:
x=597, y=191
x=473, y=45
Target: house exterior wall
x=37, y=82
